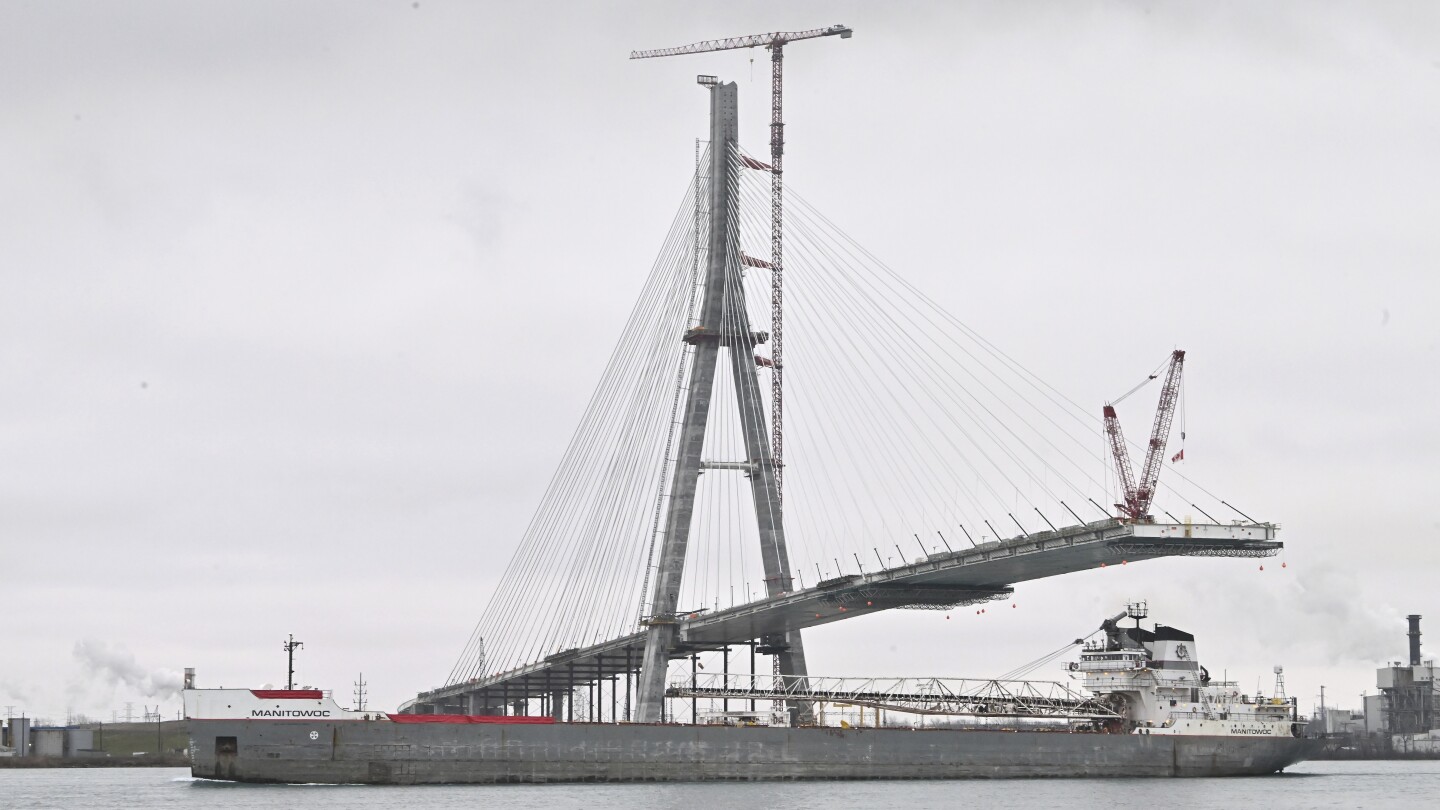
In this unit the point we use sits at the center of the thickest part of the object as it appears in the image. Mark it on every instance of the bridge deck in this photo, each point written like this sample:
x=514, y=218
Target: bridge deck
x=939, y=581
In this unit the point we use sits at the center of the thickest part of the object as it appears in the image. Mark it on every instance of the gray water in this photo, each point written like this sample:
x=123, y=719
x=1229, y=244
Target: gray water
x=1310, y=784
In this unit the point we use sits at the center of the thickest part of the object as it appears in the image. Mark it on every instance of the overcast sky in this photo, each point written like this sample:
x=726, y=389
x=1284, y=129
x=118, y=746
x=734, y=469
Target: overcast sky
x=300, y=302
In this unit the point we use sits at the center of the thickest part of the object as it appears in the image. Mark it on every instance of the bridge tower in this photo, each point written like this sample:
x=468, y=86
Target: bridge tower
x=723, y=323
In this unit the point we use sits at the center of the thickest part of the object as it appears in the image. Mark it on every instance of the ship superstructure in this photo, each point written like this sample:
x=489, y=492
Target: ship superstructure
x=1155, y=680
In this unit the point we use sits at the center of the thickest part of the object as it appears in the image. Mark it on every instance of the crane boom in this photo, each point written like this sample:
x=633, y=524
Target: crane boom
x=1160, y=433
x=752, y=41
x=1123, y=467
x=1139, y=495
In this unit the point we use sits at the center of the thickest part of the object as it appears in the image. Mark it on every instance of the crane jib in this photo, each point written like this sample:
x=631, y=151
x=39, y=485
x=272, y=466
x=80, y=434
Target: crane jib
x=752, y=41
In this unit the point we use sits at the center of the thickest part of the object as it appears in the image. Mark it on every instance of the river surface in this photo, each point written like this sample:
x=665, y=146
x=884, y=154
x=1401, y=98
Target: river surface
x=1309, y=784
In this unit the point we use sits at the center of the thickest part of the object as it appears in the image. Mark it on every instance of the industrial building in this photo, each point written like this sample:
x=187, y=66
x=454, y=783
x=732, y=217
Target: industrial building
x=15, y=739
x=1332, y=721
x=22, y=739
x=1408, y=700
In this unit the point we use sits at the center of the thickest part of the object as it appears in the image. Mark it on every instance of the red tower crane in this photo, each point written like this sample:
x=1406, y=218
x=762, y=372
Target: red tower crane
x=1139, y=496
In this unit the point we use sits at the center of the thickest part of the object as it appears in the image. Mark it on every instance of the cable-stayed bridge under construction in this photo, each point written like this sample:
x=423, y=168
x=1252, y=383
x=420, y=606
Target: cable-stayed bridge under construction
x=908, y=438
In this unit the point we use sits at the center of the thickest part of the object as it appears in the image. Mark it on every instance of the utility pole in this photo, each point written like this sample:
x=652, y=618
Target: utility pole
x=290, y=647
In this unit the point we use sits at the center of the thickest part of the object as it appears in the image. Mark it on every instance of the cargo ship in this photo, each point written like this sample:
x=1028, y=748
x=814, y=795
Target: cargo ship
x=1160, y=715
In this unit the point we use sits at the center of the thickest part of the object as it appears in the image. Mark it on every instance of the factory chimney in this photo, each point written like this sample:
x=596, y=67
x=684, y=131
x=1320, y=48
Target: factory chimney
x=1414, y=620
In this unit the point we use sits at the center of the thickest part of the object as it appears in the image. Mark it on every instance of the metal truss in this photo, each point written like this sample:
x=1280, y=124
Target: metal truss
x=778, y=38
x=946, y=696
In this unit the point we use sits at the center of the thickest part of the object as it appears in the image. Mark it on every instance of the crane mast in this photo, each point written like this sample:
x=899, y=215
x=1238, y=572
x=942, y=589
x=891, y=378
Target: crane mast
x=1139, y=495
x=775, y=42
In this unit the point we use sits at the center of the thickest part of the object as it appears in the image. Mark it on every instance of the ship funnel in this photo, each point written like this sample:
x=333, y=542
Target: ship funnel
x=1414, y=639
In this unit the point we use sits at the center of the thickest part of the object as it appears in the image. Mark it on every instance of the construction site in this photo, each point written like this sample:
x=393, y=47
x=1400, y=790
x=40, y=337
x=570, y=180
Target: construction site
x=670, y=530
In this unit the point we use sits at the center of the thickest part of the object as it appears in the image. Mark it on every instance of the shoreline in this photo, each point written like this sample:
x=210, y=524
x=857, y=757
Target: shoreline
x=147, y=761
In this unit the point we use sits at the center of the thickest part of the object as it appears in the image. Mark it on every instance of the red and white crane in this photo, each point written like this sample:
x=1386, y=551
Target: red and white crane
x=1138, y=496
x=775, y=42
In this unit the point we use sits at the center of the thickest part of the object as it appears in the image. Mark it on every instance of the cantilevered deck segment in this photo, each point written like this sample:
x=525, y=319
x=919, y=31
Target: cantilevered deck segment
x=938, y=581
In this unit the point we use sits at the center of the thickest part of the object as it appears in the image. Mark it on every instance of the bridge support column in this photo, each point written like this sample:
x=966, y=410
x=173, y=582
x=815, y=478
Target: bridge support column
x=650, y=691
x=629, y=667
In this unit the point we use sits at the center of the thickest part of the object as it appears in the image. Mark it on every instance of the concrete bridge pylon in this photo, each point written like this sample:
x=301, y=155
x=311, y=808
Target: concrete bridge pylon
x=723, y=323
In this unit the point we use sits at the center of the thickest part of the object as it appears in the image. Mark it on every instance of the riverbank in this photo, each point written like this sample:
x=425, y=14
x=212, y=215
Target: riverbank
x=169, y=760
x=120, y=745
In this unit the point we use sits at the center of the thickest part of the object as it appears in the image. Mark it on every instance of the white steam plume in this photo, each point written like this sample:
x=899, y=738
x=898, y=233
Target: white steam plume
x=117, y=666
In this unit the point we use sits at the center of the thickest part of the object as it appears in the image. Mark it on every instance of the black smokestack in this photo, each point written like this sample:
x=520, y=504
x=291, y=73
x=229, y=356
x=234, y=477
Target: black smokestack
x=1414, y=639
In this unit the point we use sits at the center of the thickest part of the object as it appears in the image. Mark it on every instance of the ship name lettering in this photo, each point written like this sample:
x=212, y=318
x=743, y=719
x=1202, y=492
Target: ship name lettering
x=289, y=712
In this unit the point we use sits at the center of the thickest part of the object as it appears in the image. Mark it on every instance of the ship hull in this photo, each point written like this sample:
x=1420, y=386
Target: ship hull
x=351, y=752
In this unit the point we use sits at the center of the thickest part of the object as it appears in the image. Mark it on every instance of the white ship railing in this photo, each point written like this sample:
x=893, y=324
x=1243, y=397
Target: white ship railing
x=1106, y=662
